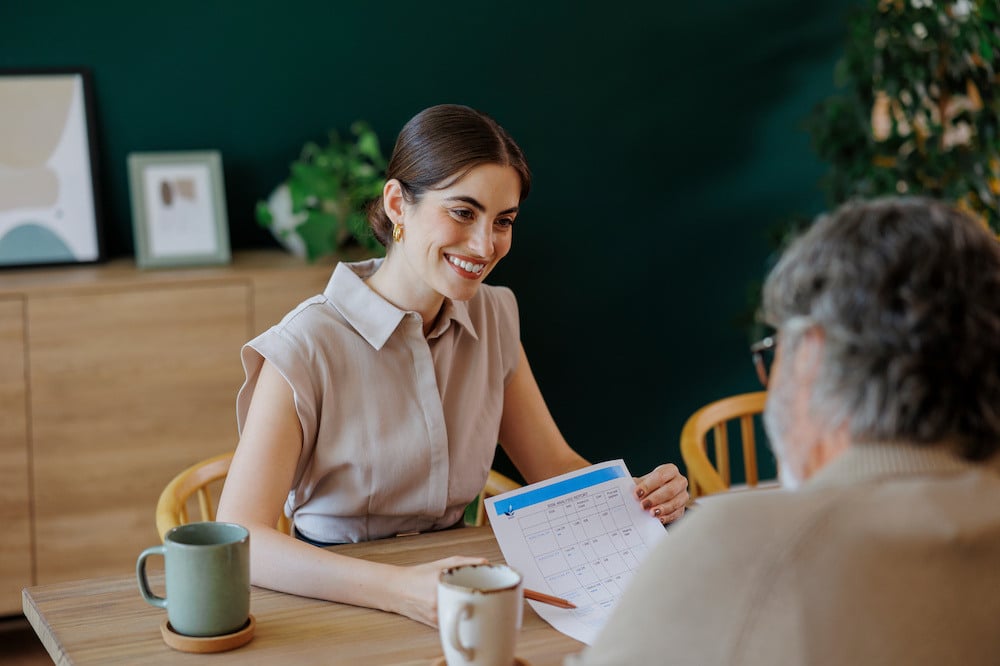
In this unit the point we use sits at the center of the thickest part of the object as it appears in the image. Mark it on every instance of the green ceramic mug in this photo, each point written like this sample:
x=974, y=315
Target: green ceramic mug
x=207, y=578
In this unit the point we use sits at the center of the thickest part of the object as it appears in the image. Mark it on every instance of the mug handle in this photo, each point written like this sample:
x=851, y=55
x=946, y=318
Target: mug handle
x=140, y=574
x=465, y=613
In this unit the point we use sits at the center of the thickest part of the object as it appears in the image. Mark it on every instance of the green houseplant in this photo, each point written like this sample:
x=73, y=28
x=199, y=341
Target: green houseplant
x=319, y=208
x=918, y=110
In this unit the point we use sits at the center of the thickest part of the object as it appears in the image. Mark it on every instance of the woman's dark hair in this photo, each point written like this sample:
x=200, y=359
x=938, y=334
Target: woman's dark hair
x=445, y=142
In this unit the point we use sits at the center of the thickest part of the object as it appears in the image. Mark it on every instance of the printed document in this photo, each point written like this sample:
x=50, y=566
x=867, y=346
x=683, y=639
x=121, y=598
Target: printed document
x=578, y=536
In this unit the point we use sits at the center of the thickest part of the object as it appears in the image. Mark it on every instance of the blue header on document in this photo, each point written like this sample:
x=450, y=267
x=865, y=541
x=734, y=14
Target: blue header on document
x=509, y=505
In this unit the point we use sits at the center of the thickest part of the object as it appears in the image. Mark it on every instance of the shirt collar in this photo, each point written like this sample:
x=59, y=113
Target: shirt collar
x=872, y=461
x=375, y=318
x=453, y=311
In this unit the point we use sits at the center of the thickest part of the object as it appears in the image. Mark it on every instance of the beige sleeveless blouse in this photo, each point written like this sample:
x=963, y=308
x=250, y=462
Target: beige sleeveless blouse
x=399, y=430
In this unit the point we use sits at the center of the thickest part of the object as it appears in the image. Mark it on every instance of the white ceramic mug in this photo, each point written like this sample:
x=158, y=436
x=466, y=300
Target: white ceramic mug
x=479, y=614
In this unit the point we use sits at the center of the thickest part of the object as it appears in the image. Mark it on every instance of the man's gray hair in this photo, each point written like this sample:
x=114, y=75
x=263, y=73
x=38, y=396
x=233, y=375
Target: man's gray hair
x=907, y=294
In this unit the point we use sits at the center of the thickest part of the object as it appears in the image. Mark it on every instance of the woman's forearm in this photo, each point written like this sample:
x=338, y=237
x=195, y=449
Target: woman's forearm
x=285, y=564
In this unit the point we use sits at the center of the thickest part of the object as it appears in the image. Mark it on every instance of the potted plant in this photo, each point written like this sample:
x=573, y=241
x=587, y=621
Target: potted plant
x=919, y=108
x=917, y=111
x=319, y=208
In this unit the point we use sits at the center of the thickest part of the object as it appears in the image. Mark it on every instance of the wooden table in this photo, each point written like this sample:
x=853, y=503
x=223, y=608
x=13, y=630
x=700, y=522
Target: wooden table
x=105, y=620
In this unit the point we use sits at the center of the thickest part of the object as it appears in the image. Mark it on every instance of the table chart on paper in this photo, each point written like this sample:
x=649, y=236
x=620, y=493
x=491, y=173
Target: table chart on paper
x=579, y=536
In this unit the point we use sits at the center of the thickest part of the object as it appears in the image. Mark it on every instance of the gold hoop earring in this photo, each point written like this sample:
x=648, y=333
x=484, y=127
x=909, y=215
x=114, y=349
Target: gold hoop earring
x=397, y=232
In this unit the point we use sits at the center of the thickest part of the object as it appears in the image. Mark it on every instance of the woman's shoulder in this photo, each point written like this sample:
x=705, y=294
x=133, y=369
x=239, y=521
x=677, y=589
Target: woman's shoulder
x=315, y=316
x=306, y=312
x=494, y=299
x=494, y=308
x=493, y=313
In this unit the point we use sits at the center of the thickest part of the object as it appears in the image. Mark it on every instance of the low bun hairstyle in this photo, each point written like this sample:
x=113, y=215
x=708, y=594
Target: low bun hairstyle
x=437, y=147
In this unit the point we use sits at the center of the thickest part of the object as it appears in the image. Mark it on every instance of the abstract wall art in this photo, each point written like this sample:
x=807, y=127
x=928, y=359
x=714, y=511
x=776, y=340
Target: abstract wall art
x=49, y=212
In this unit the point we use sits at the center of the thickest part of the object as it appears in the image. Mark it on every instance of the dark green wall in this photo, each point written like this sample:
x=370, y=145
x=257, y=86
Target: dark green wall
x=664, y=137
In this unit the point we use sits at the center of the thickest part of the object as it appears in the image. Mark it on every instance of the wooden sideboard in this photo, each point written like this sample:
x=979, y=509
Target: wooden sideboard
x=112, y=380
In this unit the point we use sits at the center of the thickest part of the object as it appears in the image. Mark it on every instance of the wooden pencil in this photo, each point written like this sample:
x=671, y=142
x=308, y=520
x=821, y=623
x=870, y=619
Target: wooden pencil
x=547, y=599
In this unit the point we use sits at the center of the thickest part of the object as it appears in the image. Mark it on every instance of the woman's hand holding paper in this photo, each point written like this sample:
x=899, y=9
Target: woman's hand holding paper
x=663, y=493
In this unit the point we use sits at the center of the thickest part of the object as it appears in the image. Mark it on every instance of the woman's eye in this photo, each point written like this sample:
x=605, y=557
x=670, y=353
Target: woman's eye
x=463, y=213
x=505, y=222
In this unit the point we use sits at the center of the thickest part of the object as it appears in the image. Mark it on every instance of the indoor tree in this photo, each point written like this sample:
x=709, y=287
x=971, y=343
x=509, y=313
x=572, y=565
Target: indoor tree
x=918, y=106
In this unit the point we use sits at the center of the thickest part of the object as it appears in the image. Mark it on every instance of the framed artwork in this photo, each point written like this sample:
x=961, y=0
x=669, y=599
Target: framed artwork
x=49, y=208
x=178, y=209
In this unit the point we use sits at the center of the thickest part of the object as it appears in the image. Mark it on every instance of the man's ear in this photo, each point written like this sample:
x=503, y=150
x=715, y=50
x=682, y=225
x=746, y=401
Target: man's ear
x=831, y=440
x=809, y=353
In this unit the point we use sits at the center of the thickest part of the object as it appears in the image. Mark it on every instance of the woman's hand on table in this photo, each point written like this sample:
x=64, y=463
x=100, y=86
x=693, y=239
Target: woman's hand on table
x=663, y=493
x=417, y=587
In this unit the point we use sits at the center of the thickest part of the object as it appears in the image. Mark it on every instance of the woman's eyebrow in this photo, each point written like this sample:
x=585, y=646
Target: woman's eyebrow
x=469, y=200
x=480, y=207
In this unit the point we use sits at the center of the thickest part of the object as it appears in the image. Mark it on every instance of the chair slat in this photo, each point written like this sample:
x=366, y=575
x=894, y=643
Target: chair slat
x=205, y=503
x=172, y=506
x=706, y=476
x=749, y=449
x=496, y=484
x=722, y=452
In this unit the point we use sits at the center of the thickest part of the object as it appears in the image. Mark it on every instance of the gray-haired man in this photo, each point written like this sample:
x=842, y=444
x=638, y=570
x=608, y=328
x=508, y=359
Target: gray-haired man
x=884, y=404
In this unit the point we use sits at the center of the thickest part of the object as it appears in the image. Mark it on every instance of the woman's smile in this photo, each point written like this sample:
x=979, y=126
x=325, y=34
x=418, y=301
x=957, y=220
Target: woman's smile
x=467, y=268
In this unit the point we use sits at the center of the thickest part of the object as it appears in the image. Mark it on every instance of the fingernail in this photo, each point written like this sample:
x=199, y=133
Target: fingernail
x=647, y=504
x=639, y=493
x=657, y=512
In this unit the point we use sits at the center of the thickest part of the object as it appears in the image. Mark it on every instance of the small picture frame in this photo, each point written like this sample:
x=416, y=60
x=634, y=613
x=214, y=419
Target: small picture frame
x=178, y=209
x=50, y=211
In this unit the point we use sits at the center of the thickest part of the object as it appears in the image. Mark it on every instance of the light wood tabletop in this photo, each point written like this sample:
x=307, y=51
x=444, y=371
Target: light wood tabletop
x=105, y=620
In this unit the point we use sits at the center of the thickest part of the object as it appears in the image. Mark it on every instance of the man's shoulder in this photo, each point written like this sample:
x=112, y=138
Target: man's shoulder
x=750, y=529
x=708, y=576
x=751, y=508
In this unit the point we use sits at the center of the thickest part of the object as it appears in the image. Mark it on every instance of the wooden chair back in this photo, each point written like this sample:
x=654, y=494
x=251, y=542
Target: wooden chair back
x=196, y=491
x=704, y=477
x=496, y=483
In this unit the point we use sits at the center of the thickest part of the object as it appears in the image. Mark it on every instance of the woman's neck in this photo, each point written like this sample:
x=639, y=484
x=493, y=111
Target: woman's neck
x=406, y=293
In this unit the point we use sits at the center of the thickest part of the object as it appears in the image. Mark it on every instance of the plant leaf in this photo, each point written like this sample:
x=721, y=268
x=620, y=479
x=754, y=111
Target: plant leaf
x=319, y=232
x=263, y=215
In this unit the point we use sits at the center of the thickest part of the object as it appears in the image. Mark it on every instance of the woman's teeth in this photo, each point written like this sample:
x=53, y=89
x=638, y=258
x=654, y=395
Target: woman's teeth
x=467, y=265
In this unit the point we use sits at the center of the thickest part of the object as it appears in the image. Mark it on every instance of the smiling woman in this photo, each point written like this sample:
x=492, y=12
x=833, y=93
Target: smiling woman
x=448, y=239
x=375, y=408
x=454, y=185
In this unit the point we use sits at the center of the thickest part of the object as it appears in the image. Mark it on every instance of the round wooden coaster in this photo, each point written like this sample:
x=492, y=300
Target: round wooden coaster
x=206, y=644
x=440, y=661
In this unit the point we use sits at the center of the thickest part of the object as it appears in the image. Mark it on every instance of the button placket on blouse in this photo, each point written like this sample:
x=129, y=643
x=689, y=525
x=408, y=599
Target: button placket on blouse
x=433, y=411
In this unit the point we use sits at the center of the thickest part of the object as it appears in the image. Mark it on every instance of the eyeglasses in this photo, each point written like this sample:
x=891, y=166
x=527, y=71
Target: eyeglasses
x=762, y=353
